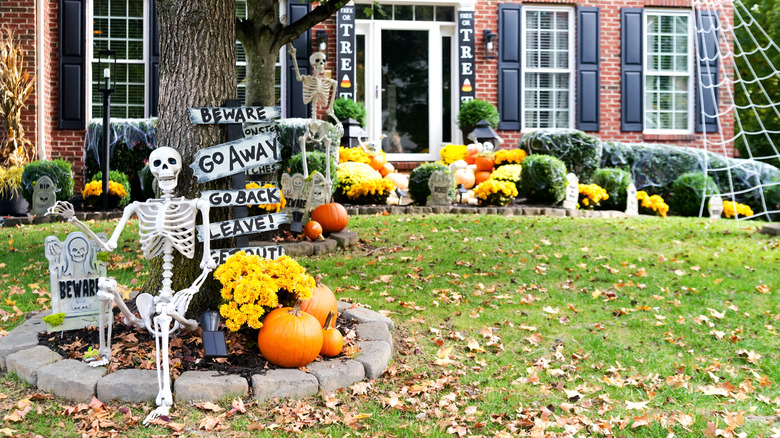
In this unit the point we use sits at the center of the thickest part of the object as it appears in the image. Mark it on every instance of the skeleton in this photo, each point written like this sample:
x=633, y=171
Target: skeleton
x=321, y=93
x=165, y=225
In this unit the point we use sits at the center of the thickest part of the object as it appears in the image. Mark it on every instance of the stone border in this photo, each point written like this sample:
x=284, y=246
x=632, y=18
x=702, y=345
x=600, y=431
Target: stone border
x=75, y=380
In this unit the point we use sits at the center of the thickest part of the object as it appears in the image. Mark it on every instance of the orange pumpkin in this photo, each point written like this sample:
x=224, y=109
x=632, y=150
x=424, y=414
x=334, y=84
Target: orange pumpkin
x=399, y=180
x=312, y=230
x=332, y=340
x=470, y=159
x=387, y=169
x=474, y=148
x=465, y=177
x=485, y=162
x=333, y=217
x=378, y=161
x=481, y=176
x=290, y=338
x=322, y=302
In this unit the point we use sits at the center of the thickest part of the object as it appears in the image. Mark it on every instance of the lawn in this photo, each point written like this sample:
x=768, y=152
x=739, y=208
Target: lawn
x=506, y=326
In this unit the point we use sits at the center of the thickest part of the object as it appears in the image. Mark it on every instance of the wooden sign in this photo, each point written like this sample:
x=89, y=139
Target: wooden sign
x=632, y=203
x=250, y=129
x=345, y=53
x=244, y=226
x=232, y=198
x=239, y=114
x=265, y=170
x=466, y=56
x=715, y=207
x=268, y=252
x=572, y=192
x=235, y=156
x=317, y=193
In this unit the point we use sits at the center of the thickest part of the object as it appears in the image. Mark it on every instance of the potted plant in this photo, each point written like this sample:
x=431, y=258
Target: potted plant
x=16, y=150
x=472, y=111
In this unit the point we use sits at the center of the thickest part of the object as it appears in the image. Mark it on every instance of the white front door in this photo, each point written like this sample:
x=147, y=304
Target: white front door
x=405, y=81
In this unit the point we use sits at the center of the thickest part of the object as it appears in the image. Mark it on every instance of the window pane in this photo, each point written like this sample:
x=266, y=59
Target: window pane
x=404, y=12
x=422, y=13
x=668, y=72
x=445, y=13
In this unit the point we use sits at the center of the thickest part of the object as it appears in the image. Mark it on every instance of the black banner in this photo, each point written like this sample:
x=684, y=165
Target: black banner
x=466, y=55
x=345, y=52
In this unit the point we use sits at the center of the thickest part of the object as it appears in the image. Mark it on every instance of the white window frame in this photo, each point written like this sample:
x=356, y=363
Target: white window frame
x=571, y=70
x=690, y=74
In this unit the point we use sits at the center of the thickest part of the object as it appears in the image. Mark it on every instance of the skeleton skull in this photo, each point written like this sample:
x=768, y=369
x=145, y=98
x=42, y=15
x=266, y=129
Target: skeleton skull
x=165, y=164
x=78, y=250
x=317, y=61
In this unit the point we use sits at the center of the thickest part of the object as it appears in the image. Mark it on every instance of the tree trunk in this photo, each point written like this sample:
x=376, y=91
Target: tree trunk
x=261, y=36
x=197, y=68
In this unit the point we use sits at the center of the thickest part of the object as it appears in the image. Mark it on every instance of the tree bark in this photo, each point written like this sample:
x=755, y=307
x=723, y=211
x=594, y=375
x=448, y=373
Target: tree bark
x=197, y=68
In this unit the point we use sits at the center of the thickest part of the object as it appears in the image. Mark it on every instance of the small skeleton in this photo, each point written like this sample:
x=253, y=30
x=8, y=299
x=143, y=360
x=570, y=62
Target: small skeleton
x=165, y=224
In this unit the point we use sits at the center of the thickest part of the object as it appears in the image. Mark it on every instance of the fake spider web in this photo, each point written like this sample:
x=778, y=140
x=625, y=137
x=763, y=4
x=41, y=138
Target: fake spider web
x=746, y=77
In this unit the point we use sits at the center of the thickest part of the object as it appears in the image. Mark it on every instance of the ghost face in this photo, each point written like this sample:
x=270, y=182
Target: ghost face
x=77, y=248
x=165, y=164
x=317, y=61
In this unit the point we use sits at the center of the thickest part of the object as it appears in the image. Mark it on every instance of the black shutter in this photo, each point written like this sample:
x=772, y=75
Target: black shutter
x=631, y=69
x=706, y=95
x=72, y=66
x=509, y=68
x=588, y=68
x=154, y=61
x=295, y=106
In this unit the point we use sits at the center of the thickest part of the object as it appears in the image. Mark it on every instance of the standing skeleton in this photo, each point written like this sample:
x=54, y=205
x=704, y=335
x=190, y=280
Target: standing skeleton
x=320, y=91
x=165, y=224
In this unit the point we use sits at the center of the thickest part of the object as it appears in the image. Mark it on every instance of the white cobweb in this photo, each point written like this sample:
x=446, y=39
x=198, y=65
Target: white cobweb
x=742, y=47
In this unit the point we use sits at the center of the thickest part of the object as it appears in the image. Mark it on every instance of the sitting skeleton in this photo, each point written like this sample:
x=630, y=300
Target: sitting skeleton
x=165, y=225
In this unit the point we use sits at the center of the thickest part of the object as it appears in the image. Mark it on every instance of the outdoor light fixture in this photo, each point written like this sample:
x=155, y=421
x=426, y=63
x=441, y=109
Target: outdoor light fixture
x=461, y=191
x=106, y=85
x=490, y=44
x=484, y=133
x=353, y=132
x=107, y=69
x=296, y=226
x=213, y=339
x=400, y=194
x=322, y=41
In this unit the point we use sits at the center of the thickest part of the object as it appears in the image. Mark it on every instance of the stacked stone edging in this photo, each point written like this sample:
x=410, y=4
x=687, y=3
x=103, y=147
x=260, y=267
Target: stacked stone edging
x=75, y=380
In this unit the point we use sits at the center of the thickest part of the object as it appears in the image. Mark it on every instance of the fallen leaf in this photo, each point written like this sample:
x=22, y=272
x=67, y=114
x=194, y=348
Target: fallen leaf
x=637, y=405
x=209, y=406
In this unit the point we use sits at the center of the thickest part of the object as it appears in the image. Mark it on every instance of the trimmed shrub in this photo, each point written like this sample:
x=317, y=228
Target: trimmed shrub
x=472, y=111
x=617, y=155
x=345, y=108
x=418, y=182
x=687, y=193
x=772, y=197
x=315, y=160
x=59, y=172
x=119, y=177
x=580, y=152
x=543, y=179
x=615, y=182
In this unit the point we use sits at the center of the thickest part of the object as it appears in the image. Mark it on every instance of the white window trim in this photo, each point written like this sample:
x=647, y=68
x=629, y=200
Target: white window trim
x=691, y=74
x=571, y=70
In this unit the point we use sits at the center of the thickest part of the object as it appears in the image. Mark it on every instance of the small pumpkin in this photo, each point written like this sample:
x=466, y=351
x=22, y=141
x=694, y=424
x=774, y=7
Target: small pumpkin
x=332, y=216
x=485, y=162
x=378, y=161
x=465, y=177
x=474, y=148
x=290, y=338
x=332, y=340
x=399, y=180
x=387, y=169
x=481, y=176
x=313, y=230
x=322, y=301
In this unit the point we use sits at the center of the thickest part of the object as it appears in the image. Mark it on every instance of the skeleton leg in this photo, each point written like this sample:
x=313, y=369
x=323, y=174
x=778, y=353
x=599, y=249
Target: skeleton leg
x=328, y=183
x=162, y=323
x=106, y=320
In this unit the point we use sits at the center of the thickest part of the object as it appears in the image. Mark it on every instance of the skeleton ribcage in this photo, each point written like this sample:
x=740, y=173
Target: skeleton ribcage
x=317, y=90
x=173, y=222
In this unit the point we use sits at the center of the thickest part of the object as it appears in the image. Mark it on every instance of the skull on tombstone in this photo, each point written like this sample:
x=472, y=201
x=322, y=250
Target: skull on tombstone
x=317, y=61
x=78, y=249
x=165, y=165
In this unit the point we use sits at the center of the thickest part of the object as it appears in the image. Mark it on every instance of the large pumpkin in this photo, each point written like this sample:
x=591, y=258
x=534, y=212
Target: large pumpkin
x=465, y=177
x=484, y=162
x=290, y=338
x=481, y=176
x=332, y=340
x=333, y=217
x=399, y=180
x=322, y=302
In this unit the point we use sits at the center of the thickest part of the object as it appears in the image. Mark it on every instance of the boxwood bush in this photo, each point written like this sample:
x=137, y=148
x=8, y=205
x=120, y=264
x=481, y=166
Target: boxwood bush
x=418, y=181
x=617, y=155
x=59, y=172
x=345, y=108
x=615, y=182
x=772, y=197
x=543, y=179
x=688, y=191
x=580, y=152
x=315, y=160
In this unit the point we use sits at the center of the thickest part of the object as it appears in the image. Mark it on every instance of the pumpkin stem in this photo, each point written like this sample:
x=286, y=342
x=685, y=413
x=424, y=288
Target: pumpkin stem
x=318, y=280
x=296, y=310
x=329, y=320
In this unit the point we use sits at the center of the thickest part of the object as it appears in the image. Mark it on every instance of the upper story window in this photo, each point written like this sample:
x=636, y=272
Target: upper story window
x=405, y=12
x=548, y=73
x=668, y=71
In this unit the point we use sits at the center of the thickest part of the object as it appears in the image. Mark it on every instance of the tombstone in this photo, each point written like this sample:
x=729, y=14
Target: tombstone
x=44, y=195
x=317, y=193
x=632, y=203
x=572, y=192
x=715, y=207
x=74, y=270
x=440, y=184
x=295, y=190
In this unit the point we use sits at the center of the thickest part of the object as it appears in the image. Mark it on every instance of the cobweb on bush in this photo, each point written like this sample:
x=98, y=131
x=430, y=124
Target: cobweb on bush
x=746, y=71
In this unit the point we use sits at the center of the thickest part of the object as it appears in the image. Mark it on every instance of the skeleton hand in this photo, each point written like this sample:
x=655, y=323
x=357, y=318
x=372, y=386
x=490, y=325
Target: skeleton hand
x=61, y=208
x=208, y=263
x=291, y=50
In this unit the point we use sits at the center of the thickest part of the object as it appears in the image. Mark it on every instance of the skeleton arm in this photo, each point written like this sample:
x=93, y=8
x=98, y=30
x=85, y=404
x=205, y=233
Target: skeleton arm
x=65, y=209
x=292, y=51
x=207, y=263
x=329, y=110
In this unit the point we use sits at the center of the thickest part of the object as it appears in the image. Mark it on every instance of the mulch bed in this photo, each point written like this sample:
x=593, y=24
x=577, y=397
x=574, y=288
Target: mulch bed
x=134, y=347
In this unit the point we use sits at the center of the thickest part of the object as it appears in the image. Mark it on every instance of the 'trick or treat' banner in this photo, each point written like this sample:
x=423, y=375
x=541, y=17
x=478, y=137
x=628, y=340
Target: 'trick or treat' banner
x=466, y=55
x=345, y=52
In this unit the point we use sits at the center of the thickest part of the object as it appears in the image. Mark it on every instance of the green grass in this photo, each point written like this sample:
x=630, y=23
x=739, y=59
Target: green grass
x=663, y=313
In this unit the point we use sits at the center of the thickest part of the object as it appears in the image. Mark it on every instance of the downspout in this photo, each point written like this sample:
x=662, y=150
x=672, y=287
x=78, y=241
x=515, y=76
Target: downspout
x=40, y=95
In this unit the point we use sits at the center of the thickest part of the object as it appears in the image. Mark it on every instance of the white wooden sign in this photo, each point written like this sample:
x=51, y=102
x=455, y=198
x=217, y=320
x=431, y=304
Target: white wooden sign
x=239, y=114
x=632, y=203
x=264, y=170
x=572, y=192
x=715, y=207
x=317, y=193
x=235, y=156
x=250, y=129
x=268, y=252
x=233, y=198
x=244, y=226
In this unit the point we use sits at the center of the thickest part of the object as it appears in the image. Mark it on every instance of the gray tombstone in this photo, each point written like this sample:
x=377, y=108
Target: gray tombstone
x=44, y=195
x=440, y=184
x=74, y=270
x=572, y=192
x=715, y=207
x=317, y=192
x=632, y=203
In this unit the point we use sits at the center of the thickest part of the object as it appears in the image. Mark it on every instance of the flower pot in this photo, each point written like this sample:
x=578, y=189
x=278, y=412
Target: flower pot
x=13, y=204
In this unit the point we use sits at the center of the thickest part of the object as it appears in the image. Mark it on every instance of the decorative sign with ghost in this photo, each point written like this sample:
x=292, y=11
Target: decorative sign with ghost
x=632, y=203
x=317, y=193
x=74, y=270
x=715, y=207
x=572, y=192
x=44, y=195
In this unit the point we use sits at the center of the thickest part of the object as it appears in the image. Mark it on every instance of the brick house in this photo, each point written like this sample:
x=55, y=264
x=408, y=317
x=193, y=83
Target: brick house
x=621, y=70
